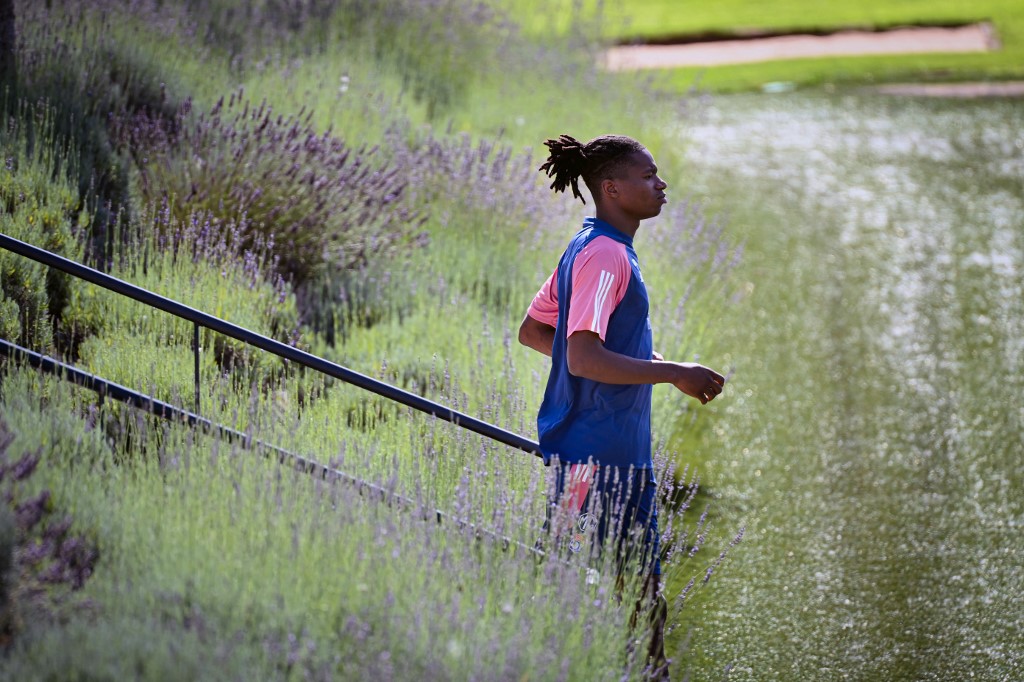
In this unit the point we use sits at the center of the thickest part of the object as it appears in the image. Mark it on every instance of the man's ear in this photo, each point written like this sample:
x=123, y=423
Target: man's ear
x=609, y=188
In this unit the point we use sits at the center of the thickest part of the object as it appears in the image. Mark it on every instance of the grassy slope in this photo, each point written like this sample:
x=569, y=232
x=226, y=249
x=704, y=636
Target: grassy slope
x=665, y=18
x=172, y=545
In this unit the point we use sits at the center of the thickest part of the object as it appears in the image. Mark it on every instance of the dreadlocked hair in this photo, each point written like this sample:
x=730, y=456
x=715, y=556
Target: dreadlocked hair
x=569, y=160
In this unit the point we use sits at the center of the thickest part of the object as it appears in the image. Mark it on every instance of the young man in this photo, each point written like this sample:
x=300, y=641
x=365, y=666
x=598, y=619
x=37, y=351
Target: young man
x=591, y=317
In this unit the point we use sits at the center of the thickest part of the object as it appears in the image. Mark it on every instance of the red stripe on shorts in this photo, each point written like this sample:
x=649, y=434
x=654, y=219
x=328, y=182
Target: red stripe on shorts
x=576, y=489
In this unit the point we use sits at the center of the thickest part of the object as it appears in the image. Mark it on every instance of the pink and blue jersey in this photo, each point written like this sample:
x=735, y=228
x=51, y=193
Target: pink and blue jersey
x=597, y=287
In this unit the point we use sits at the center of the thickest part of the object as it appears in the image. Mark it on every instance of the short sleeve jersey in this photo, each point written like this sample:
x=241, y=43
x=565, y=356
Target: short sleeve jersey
x=596, y=287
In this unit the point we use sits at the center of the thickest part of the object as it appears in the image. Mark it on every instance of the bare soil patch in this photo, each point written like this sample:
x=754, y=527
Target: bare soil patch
x=971, y=38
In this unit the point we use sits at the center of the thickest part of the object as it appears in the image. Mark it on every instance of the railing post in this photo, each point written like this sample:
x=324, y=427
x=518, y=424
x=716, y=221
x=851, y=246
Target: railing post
x=195, y=354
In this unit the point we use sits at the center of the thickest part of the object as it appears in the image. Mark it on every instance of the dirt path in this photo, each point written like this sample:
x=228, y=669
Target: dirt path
x=973, y=38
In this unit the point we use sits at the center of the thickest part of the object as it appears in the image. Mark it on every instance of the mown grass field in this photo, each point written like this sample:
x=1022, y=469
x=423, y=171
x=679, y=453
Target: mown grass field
x=664, y=19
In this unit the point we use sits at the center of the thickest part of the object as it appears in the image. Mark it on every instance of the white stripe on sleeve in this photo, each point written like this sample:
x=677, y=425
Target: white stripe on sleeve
x=604, y=285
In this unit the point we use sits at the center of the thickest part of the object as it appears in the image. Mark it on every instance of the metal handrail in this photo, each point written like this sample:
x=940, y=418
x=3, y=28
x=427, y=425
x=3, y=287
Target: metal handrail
x=109, y=389
x=199, y=318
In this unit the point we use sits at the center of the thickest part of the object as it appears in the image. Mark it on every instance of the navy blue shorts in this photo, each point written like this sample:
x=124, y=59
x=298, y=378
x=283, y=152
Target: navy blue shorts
x=618, y=499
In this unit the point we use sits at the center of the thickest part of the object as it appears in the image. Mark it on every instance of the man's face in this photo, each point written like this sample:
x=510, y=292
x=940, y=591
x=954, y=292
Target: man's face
x=639, y=191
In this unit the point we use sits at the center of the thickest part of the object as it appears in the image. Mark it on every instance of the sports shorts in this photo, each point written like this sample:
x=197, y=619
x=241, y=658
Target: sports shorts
x=620, y=500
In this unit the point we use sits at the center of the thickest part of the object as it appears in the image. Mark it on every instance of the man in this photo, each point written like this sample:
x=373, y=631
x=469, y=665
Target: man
x=591, y=317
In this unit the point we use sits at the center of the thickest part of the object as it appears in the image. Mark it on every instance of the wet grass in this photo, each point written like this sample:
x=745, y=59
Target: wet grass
x=883, y=260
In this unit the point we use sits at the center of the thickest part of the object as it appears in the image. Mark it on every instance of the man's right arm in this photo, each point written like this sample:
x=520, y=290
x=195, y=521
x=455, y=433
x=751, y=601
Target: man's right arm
x=537, y=335
x=537, y=330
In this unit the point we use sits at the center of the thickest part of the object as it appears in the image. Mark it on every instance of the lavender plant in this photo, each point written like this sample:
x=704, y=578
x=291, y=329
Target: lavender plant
x=72, y=58
x=40, y=559
x=488, y=218
x=197, y=264
x=357, y=588
x=321, y=203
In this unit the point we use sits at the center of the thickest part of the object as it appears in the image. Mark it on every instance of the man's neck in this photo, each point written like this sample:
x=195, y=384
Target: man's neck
x=623, y=223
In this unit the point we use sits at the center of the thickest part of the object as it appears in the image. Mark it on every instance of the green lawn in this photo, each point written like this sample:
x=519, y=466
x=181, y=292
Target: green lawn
x=661, y=19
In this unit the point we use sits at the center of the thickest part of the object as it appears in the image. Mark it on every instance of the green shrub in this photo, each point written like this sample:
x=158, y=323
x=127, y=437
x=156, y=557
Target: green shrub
x=40, y=206
x=10, y=318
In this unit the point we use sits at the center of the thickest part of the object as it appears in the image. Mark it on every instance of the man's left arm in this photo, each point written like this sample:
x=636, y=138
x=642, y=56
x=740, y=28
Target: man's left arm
x=588, y=358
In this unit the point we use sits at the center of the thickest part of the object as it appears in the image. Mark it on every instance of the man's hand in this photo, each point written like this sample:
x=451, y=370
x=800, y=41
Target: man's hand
x=698, y=381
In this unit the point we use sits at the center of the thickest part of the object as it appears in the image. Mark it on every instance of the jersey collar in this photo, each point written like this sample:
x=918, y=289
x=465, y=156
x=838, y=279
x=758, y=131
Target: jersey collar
x=601, y=227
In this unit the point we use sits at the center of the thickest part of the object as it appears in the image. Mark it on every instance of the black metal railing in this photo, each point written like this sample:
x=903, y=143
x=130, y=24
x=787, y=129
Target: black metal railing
x=109, y=389
x=199, y=318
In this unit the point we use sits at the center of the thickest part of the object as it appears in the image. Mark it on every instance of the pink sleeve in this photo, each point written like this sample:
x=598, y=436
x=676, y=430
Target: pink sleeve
x=544, y=307
x=600, y=277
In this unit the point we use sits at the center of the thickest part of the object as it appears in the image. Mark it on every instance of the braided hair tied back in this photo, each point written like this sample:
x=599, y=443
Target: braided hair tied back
x=569, y=159
x=566, y=160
